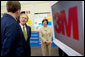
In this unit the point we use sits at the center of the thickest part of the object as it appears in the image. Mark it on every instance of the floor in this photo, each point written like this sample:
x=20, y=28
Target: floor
x=36, y=51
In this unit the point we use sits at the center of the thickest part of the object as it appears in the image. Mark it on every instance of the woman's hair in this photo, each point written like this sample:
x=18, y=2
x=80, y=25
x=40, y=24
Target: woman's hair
x=45, y=20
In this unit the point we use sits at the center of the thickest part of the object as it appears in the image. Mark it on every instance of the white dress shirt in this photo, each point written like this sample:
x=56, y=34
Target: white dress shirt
x=24, y=27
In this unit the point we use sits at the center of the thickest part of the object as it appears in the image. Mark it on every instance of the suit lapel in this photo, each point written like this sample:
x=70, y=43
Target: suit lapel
x=27, y=31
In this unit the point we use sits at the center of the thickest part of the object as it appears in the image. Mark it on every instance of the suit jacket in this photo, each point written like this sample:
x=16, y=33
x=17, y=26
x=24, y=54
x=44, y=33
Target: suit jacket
x=28, y=49
x=12, y=38
x=45, y=34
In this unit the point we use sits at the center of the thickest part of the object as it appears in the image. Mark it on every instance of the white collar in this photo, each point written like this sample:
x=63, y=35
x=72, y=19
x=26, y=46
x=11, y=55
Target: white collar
x=22, y=25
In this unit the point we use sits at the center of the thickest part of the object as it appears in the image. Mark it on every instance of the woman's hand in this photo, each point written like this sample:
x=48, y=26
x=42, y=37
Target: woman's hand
x=47, y=42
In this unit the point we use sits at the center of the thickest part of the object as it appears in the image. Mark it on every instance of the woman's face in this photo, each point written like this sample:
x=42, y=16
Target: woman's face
x=45, y=23
x=23, y=19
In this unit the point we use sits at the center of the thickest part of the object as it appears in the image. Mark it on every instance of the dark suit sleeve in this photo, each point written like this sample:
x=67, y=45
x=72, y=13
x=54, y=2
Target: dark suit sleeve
x=29, y=49
x=9, y=40
x=30, y=32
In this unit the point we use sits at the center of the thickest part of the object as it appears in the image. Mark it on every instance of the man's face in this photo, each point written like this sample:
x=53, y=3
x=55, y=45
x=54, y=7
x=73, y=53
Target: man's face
x=23, y=19
x=18, y=14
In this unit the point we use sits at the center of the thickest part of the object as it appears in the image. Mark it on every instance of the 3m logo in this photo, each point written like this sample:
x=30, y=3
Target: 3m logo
x=63, y=26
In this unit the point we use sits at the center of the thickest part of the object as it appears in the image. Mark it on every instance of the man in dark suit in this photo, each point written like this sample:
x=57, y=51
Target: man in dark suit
x=12, y=38
x=26, y=32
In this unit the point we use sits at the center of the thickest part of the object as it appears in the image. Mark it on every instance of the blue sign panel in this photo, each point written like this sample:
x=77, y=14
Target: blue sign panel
x=35, y=40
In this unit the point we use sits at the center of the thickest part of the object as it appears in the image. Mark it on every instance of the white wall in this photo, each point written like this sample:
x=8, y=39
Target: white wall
x=32, y=6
